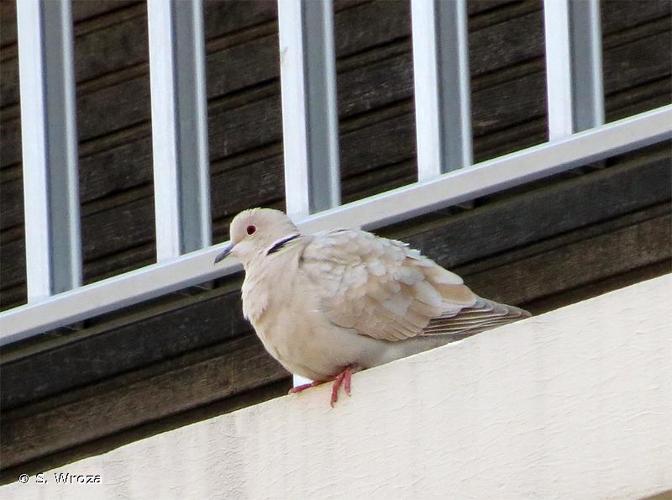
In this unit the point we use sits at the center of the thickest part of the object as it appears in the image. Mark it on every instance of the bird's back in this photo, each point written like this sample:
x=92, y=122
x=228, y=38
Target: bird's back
x=385, y=290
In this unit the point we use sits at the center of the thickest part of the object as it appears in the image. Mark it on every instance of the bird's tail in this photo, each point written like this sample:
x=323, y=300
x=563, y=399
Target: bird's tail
x=483, y=315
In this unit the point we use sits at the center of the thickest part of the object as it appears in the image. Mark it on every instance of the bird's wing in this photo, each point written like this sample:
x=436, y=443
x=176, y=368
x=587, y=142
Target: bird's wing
x=383, y=289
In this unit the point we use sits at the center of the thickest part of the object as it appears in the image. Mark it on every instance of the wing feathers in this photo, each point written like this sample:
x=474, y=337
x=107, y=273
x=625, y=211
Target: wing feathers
x=383, y=289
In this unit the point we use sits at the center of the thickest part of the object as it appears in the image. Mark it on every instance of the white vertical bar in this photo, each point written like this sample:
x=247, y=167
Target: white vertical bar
x=179, y=126
x=558, y=68
x=164, y=130
x=294, y=122
x=196, y=230
x=49, y=147
x=587, y=64
x=298, y=380
x=442, y=86
x=309, y=112
x=323, y=113
x=573, y=66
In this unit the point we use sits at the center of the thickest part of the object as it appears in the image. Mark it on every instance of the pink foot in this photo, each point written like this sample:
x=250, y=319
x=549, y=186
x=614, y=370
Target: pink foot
x=343, y=378
x=303, y=387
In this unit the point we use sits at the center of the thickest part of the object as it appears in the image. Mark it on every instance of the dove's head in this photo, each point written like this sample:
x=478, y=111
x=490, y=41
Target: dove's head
x=254, y=232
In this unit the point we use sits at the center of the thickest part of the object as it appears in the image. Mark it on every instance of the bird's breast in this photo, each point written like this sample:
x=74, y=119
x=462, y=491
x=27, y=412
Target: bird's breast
x=270, y=301
x=255, y=300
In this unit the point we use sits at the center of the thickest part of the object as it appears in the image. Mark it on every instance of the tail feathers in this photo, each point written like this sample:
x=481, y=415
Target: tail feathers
x=483, y=315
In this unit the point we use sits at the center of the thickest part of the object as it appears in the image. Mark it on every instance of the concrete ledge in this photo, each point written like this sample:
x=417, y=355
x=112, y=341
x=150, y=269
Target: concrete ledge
x=576, y=403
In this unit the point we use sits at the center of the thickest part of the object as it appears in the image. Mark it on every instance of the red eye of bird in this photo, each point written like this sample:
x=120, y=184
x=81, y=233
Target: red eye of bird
x=251, y=230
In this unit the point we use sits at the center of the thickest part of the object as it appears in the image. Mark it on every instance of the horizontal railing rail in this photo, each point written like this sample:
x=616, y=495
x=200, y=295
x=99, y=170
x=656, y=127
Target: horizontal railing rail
x=370, y=213
x=446, y=173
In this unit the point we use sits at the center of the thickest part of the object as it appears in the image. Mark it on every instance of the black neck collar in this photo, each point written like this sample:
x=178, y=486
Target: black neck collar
x=281, y=243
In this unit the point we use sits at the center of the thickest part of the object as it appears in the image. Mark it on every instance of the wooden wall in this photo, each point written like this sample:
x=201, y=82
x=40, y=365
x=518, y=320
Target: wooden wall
x=191, y=354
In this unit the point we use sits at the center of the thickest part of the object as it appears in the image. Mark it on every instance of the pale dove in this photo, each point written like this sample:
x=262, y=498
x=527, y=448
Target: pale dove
x=327, y=304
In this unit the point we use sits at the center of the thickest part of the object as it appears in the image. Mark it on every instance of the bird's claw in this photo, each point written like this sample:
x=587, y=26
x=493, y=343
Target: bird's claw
x=344, y=378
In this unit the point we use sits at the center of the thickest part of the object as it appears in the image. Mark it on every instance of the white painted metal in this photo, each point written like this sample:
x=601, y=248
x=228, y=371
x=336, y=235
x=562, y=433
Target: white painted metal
x=573, y=66
x=299, y=380
x=442, y=86
x=558, y=68
x=113, y=293
x=499, y=173
x=588, y=89
x=396, y=205
x=49, y=147
x=309, y=113
x=179, y=127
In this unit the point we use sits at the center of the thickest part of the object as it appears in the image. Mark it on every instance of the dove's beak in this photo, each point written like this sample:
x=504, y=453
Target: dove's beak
x=225, y=253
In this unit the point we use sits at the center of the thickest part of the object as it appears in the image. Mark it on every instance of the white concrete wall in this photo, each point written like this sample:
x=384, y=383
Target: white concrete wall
x=574, y=404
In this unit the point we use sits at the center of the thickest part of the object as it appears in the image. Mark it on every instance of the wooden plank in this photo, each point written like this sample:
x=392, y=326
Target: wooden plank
x=96, y=53
x=237, y=366
x=81, y=10
x=492, y=10
x=161, y=334
x=581, y=263
x=644, y=98
x=7, y=23
x=637, y=62
x=620, y=15
x=601, y=286
x=97, y=47
x=496, y=47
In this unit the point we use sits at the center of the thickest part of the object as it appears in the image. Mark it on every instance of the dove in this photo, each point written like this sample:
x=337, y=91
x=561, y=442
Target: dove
x=329, y=304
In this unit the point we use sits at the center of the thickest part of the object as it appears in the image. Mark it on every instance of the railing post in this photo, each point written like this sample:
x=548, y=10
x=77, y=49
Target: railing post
x=49, y=147
x=309, y=113
x=179, y=126
x=573, y=66
x=442, y=87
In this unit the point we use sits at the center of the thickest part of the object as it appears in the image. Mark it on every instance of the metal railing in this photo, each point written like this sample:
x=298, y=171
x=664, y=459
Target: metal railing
x=446, y=174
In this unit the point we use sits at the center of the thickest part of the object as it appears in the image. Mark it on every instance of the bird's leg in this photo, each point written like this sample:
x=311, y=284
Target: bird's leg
x=347, y=381
x=343, y=378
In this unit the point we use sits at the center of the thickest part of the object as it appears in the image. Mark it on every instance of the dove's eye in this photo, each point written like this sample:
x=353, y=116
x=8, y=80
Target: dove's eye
x=251, y=230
